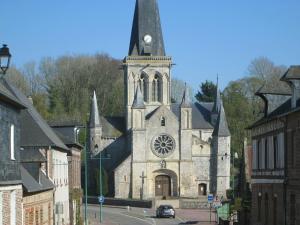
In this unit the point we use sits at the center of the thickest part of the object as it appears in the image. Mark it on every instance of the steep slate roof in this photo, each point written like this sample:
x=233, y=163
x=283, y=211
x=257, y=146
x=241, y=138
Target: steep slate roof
x=146, y=21
x=200, y=114
x=35, y=130
x=113, y=126
x=221, y=128
x=32, y=185
x=7, y=96
x=31, y=155
x=293, y=73
x=94, y=120
x=66, y=139
x=138, y=102
x=217, y=102
x=267, y=90
x=65, y=123
x=284, y=108
x=186, y=101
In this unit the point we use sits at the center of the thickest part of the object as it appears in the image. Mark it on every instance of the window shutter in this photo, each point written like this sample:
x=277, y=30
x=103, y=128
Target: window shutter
x=1, y=208
x=262, y=154
x=281, y=150
x=254, y=156
x=271, y=152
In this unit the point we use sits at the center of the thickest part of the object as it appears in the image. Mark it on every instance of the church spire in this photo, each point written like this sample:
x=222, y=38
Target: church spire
x=138, y=102
x=146, y=34
x=217, y=102
x=221, y=128
x=186, y=101
x=94, y=120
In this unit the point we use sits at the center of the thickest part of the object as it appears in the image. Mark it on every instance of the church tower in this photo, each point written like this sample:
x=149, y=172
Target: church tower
x=220, y=180
x=146, y=65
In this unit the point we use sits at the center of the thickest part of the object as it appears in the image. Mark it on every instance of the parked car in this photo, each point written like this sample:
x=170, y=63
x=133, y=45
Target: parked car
x=165, y=211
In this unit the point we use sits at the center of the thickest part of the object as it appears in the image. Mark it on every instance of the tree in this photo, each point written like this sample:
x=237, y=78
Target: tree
x=207, y=92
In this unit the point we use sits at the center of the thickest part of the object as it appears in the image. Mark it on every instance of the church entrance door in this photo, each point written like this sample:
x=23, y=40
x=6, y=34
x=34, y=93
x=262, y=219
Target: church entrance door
x=162, y=185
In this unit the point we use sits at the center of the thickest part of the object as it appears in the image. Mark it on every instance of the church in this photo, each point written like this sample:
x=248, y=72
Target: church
x=159, y=149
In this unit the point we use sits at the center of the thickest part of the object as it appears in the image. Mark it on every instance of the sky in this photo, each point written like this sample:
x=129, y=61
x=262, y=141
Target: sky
x=204, y=37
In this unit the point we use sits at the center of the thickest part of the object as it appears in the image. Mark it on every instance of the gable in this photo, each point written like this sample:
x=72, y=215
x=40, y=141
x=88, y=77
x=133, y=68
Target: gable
x=155, y=118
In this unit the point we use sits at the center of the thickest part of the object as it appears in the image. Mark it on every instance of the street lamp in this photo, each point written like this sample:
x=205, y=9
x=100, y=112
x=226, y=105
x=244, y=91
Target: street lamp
x=100, y=179
x=101, y=198
x=4, y=59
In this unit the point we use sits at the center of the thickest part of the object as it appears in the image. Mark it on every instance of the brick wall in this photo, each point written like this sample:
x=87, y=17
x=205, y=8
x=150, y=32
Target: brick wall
x=293, y=168
x=38, y=208
x=6, y=204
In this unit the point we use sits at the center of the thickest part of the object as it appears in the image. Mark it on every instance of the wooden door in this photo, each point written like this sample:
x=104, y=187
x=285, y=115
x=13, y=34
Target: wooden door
x=162, y=185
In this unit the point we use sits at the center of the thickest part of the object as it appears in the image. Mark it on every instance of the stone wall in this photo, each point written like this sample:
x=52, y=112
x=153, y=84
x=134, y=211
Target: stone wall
x=123, y=179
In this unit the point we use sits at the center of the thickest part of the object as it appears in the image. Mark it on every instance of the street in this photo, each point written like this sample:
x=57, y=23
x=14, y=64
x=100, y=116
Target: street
x=137, y=216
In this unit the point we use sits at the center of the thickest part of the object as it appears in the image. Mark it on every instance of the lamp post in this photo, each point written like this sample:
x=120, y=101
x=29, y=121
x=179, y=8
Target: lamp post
x=4, y=59
x=85, y=176
x=96, y=149
x=100, y=180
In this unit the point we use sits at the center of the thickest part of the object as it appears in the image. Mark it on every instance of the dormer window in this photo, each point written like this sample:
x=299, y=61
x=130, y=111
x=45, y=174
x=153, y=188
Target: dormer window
x=163, y=121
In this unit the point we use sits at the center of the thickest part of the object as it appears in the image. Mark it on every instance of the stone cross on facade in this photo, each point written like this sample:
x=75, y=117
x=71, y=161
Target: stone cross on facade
x=143, y=181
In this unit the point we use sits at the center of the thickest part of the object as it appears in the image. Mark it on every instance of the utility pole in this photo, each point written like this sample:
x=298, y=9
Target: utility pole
x=143, y=181
x=100, y=184
x=85, y=175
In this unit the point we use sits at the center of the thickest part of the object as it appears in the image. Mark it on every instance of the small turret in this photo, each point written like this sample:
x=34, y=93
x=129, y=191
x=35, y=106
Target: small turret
x=95, y=128
x=138, y=110
x=186, y=110
x=221, y=128
x=217, y=105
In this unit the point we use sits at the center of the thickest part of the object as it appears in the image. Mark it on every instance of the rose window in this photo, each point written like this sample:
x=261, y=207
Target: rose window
x=163, y=145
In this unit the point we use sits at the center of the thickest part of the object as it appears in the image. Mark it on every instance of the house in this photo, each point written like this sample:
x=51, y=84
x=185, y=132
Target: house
x=276, y=157
x=37, y=135
x=69, y=134
x=10, y=173
x=38, y=189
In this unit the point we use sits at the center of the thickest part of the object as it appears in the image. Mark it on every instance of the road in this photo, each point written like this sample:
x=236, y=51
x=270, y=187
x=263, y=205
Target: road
x=121, y=216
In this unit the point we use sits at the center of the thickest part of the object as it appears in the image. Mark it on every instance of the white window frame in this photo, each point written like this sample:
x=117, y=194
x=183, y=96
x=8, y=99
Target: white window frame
x=1, y=208
x=12, y=142
x=13, y=205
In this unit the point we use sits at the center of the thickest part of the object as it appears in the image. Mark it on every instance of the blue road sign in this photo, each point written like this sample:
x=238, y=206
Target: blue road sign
x=210, y=198
x=101, y=199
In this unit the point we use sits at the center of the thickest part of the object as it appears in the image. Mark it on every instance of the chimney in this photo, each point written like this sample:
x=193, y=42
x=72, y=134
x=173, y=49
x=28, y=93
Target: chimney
x=30, y=99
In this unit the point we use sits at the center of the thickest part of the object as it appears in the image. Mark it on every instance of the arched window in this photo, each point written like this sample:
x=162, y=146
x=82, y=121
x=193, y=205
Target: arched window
x=143, y=82
x=157, y=89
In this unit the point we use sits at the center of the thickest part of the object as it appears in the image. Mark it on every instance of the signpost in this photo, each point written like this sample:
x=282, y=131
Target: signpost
x=210, y=199
x=101, y=199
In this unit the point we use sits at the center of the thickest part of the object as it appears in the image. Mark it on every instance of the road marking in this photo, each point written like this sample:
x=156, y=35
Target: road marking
x=136, y=218
x=181, y=220
x=154, y=222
